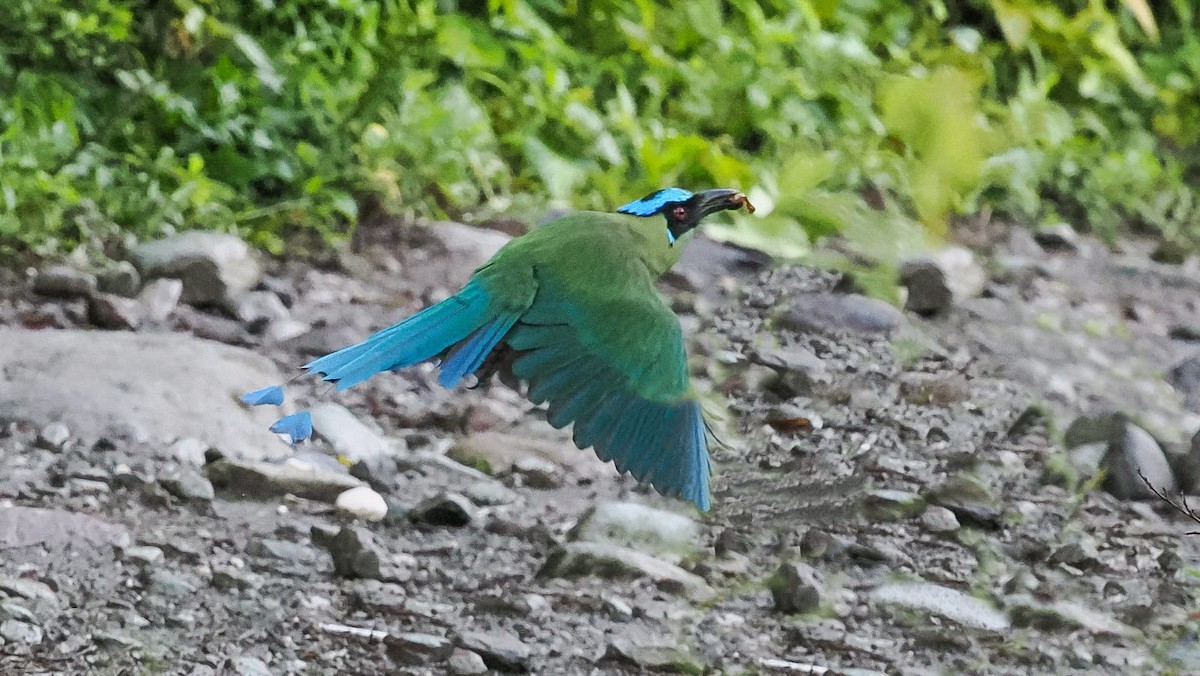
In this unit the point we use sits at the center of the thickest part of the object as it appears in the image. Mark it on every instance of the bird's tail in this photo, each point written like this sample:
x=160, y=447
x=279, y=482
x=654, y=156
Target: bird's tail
x=467, y=318
x=467, y=323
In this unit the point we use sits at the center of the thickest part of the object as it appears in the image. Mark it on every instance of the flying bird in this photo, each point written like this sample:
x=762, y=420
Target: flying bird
x=572, y=305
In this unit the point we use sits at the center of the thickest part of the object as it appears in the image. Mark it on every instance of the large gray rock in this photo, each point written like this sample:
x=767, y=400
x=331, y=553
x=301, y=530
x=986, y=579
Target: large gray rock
x=840, y=313
x=167, y=385
x=1185, y=378
x=56, y=530
x=456, y=251
x=260, y=480
x=665, y=534
x=213, y=266
x=64, y=281
x=496, y=453
x=474, y=246
x=949, y=604
x=577, y=559
x=1132, y=455
x=1065, y=616
x=500, y=650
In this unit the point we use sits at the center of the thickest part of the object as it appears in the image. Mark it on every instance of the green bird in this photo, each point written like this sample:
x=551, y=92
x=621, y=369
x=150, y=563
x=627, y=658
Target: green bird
x=573, y=306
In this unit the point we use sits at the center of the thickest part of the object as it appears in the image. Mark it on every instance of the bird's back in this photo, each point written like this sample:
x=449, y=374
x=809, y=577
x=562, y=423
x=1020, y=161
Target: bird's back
x=591, y=252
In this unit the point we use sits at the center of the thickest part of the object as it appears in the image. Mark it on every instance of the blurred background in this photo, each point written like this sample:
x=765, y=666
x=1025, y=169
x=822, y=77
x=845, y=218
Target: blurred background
x=882, y=120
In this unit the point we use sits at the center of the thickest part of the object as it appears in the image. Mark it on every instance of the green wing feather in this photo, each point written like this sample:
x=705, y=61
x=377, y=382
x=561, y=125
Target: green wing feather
x=602, y=350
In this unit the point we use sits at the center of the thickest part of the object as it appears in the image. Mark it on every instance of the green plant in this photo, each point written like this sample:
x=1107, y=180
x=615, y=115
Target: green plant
x=877, y=120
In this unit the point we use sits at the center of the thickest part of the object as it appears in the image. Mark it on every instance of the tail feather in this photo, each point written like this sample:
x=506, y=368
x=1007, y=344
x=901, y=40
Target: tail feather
x=471, y=353
x=416, y=339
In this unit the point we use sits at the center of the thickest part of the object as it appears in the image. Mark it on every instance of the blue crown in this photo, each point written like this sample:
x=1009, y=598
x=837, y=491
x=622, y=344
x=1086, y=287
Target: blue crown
x=651, y=204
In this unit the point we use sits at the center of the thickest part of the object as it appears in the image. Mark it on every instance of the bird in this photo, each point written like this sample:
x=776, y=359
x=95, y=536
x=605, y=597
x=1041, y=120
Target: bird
x=571, y=308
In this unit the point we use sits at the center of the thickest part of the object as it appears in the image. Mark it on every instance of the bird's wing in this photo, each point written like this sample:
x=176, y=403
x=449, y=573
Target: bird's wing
x=613, y=363
x=466, y=327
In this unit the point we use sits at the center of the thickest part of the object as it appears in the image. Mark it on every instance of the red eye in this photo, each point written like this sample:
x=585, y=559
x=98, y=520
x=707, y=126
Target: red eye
x=679, y=213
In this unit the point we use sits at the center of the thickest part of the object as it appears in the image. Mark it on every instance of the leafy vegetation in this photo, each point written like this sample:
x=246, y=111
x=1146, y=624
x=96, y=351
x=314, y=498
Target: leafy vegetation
x=879, y=119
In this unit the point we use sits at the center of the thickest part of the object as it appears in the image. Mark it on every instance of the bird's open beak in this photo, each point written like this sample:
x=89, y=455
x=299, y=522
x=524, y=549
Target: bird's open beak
x=722, y=199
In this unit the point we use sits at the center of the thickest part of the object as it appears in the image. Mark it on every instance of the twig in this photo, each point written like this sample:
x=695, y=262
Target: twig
x=792, y=667
x=1181, y=506
x=343, y=630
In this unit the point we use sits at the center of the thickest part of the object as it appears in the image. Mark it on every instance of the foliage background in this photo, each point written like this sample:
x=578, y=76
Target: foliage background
x=879, y=119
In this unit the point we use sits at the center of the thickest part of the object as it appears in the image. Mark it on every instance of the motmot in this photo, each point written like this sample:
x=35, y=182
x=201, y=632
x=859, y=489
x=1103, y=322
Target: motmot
x=573, y=306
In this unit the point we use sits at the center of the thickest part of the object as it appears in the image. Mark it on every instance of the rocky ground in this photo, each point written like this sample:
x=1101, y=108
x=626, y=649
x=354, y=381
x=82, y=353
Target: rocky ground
x=948, y=489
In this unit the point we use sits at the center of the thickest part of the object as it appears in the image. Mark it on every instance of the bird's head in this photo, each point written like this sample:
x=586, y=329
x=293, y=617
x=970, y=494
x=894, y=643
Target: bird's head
x=683, y=209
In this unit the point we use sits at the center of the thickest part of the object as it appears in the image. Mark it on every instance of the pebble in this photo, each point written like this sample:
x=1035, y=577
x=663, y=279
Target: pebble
x=970, y=499
x=32, y=590
x=188, y=485
x=54, y=436
x=109, y=311
x=651, y=657
x=796, y=588
x=884, y=504
x=160, y=298
x=15, y=611
x=499, y=649
x=731, y=541
x=1058, y=238
x=260, y=308
x=249, y=666
x=928, y=289
x=617, y=608
x=228, y=578
x=280, y=550
x=63, y=281
x=144, y=555
x=1185, y=378
x=1065, y=616
x=538, y=472
x=448, y=509
x=16, y=631
x=168, y=583
x=417, y=648
x=362, y=503
x=189, y=451
x=121, y=279
x=490, y=493
x=87, y=487
x=466, y=662
x=214, y=267
x=1083, y=553
x=937, y=519
x=355, y=554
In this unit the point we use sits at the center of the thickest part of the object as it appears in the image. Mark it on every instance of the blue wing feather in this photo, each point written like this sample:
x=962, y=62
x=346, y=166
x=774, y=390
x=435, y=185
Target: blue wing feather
x=470, y=355
x=466, y=316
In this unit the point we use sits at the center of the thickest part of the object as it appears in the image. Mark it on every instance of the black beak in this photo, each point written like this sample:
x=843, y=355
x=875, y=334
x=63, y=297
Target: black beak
x=721, y=199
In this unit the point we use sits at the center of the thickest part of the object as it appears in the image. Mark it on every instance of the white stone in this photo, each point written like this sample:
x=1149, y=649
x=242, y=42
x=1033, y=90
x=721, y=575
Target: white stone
x=363, y=503
x=348, y=435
